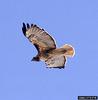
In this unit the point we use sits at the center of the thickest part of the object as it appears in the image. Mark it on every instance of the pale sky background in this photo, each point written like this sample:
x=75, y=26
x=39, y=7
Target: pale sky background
x=73, y=22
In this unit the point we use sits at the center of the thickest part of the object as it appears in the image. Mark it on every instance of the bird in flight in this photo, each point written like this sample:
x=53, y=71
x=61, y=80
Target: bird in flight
x=46, y=47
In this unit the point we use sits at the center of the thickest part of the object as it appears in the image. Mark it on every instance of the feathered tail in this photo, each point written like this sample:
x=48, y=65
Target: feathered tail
x=70, y=52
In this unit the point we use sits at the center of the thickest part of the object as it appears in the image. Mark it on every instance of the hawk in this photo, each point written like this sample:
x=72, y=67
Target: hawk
x=46, y=47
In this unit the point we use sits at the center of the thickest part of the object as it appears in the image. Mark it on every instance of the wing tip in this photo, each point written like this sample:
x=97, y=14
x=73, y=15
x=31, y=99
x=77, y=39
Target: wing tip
x=28, y=26
x=24, y=29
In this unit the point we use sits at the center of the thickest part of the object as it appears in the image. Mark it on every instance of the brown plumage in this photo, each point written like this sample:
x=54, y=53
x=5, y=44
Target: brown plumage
x=46, y=47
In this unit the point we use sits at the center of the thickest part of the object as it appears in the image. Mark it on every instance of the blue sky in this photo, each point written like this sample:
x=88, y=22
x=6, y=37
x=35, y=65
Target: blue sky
x=73, y=22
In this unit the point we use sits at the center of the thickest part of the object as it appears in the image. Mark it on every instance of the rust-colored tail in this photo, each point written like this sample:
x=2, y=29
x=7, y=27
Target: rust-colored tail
x=70, y=50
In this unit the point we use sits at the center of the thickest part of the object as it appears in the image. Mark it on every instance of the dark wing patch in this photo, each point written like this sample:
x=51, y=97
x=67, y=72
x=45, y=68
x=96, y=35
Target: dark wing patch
x=37, y=47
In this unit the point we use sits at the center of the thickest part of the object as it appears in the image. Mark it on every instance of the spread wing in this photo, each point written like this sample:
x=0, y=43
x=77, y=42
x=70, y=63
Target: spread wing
x=39, y=37
x=56, y=62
